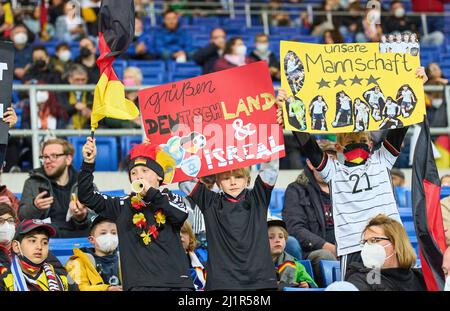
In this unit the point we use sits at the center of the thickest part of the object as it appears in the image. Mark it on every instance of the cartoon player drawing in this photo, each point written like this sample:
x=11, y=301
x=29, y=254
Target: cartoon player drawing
x=344, y=109
x=390, y=43
x=295, y=72
x=408, y=99
x=193, y=142
x=414, y=46
x=296, y=112
x=405, y=42
x=376, y=99
x=398, y=46
x=362, y=112
x=391, y=112
x=318, y=109
x=384, y=46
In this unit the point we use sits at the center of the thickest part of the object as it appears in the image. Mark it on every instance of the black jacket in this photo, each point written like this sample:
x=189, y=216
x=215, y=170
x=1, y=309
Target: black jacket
x=206, y=57
x=392, y=279
x=303, y=212
x=161, y=263
x=27, y=210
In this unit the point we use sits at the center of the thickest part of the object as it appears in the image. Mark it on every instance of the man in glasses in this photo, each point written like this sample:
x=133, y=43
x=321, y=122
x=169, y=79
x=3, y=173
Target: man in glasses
x=50, y=192
x=207, y=56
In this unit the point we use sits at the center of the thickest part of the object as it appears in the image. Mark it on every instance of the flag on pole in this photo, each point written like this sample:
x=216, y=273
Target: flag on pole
x=116, y=31
x=426, y=209
x=43, y=19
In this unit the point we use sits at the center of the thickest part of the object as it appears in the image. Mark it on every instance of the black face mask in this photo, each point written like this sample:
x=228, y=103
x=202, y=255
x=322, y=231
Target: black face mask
x=40, y=64
x=85, y=52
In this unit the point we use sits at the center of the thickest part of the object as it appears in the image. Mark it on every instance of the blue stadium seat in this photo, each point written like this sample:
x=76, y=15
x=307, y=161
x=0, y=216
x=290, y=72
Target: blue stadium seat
x=445, y=192
x=153, y=80
x=327, y=268
x=175, y=67
x=405, y=214
x=179, y=192
x=64, y=247
x=63, y=259
x=107, y=157
x=277, y=202
x=127, y=142
x=211, y=21
x=115, y=193
x=178, y=76
x=157, y=65
x=308, y=267
x=400, y=196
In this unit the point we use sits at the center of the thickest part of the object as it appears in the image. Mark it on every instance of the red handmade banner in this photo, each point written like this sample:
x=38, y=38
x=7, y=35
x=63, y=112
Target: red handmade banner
x=214, y=123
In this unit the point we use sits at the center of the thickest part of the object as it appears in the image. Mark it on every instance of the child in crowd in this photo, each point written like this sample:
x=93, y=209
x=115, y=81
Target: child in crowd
x=98, y=268
x=238, y=254
x=198, y=272
x=360, y=187
x=29, y=268
x=289, y=271
x=148, y=223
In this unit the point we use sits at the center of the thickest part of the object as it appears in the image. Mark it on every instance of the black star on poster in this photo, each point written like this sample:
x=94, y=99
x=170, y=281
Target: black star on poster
x=373, y=80
x=322, y=83
x=340, y=81
x=356, y=80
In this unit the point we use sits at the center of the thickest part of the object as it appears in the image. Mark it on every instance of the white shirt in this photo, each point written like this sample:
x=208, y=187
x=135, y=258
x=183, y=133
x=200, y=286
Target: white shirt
x=374, y=97
x=407, y=96
x=358, y=194
x=361, y=108
x=291, y=65
x=345, y=102
x=384, y=47
x=318, y=106
x=398, y=47
x=391, y=109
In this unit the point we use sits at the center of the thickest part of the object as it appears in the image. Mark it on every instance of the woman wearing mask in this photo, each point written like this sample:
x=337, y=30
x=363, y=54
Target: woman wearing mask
x=62, y=60
x=98, y=268
x=7, y=231
x=388, y=259
x=262, y=52
x=234, y=55
x=189, y=242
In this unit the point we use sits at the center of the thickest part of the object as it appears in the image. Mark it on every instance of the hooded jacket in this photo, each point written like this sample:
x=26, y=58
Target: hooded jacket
x=27, y=209
x=303, y=212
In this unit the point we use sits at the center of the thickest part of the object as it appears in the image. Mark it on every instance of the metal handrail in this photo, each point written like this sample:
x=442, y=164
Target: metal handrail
x=36, y=133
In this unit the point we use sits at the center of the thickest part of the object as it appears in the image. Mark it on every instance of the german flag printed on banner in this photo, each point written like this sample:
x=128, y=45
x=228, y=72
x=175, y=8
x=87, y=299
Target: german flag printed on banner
x=116, y=31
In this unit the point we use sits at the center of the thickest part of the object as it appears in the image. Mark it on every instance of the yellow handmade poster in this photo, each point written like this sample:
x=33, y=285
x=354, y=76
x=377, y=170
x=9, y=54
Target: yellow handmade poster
x=338, y=88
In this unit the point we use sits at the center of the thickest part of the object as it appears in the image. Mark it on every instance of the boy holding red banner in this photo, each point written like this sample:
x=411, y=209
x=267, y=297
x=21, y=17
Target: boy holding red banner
x=239, y=255
x=360, y=187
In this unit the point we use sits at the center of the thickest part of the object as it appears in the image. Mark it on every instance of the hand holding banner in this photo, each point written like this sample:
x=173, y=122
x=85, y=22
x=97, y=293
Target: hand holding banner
x=339, y=88
x=216, y=122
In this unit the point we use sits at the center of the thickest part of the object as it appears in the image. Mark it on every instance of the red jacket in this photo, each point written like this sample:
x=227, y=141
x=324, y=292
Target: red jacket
x=222, y=63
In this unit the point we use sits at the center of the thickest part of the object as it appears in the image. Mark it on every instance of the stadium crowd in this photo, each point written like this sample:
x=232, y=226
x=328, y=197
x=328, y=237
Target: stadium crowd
x=163, y=247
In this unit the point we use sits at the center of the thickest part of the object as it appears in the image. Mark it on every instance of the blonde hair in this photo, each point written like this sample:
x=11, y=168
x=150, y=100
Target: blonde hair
x=399, y=238
x=342, y=137
x=239, y=172
x=187, y=228
x=68, y=149
x=285, y=233
x=136, y=72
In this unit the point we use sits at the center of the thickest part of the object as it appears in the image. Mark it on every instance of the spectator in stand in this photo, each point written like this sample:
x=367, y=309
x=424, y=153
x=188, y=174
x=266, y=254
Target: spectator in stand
x=51, y=192
x=171, y=42
x=397, y=20
x=70, y=26
x=332, y=37
x=197, y=270
x=8, y=220
x=446, y=269
x=280, y=18
x=308, y=213
x=33, y=24
x=435, y=23
x=445, y=207
x=89, y=12
x=328, y=21
x=436, y=111
x=289, y=271
x=97, y=268
x=142, y=47
x=88, y=59
x=208, y=55
x=388, y=257
x=352, y=24
x=62, y=60
x=22, y=50
x=371, y=27
x=132, y=76
x=262, y=52
x=235, y=55
x=397, y=177
x=77, y=104
x=55, y=10
x=41, y=70
x=7, y=197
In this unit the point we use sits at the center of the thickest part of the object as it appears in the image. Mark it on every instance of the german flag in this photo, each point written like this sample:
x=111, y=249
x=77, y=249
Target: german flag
x=426, y=209
x=442, y=144
x=116, y=31
x=43, y=19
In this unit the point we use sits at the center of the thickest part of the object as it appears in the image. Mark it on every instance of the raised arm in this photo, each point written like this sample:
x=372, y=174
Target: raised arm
x=170, y=203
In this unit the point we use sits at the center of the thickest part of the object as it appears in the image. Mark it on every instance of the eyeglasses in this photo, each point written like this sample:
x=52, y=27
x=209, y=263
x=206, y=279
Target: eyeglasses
x=373, y=240
x=52, y=157
x=9, y=220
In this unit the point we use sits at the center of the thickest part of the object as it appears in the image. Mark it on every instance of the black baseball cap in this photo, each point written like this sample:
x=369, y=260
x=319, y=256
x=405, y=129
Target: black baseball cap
x=276, y=222
x=29, y=225
x=95, y=220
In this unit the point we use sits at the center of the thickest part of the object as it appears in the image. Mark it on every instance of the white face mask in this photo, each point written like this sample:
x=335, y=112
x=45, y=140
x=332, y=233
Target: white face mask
x=137, y=33
x=20, y=38
x=374, y=255
x=107, y=243
x=41, y=96
x=65, y=55
x=262, y=47
x=7, y=232
x=181, y=59
x=447, y=284
x=399, y=13
x=241, y=50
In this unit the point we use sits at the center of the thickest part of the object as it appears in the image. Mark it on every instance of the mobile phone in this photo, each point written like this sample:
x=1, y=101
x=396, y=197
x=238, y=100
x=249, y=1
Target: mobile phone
x=42, y=189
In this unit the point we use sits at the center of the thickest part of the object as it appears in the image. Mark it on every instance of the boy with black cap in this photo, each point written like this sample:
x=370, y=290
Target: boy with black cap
x=289, y=271
x=98, y=268
x=29, y=268
x=148, y=222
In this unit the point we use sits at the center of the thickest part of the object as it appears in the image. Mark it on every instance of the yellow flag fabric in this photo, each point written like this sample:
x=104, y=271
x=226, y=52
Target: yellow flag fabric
x=9, y=16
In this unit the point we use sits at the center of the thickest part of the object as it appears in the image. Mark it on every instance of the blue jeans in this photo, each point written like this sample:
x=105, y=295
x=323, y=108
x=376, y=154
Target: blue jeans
x=293, y=248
